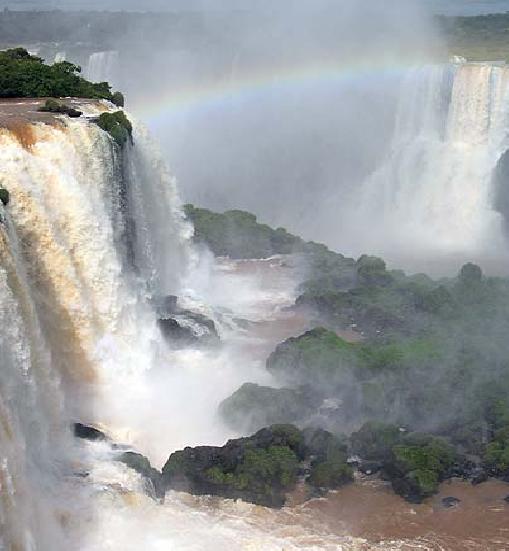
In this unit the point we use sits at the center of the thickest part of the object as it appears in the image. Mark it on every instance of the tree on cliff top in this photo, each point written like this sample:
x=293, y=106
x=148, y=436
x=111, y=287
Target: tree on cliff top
x=25, y=75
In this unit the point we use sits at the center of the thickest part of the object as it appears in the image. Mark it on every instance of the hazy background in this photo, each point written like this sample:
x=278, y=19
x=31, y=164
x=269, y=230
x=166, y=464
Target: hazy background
x=450, y=7
x=284, y=109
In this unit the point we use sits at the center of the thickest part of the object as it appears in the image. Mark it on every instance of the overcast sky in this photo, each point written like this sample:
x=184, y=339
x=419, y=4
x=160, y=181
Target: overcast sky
x=453, y=7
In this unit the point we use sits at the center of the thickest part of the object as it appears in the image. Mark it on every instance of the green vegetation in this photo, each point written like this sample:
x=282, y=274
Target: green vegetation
x=318, y=355
x=4, y=196
x=118, y=99
x=431, y=356
x=330, y=474
x=238, y=234
x=419, y=464
x=117, y=125
x=261, y=468
x=25, y=75
x=329, y=453
x=374, y=440
x=253, y=406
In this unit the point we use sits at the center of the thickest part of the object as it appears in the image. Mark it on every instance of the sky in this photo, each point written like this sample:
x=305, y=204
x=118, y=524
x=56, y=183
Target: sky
x=450, y=7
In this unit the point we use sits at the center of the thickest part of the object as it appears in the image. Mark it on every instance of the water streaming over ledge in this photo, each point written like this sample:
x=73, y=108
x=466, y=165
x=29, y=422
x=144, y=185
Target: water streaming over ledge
x=434, y=190
x=90, y=235
x=72, y=306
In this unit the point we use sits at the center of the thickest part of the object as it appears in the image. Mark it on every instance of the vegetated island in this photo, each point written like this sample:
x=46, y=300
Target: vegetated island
x=423, y=395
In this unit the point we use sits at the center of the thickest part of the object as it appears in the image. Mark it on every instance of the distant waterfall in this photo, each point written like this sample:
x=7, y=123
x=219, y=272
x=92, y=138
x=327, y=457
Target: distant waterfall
x=102, y=66
x=434, y=190
x=72, y=313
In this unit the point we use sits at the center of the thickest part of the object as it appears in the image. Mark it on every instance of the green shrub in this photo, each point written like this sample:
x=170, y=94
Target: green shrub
x=330, y=475
x=117, y=125
x=318, y=356
x=238, y=234
x=374, y=440
x=118, y=99
x=24, y=75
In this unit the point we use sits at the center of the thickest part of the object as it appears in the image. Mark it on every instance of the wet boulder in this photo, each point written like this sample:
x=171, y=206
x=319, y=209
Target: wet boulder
x=4, y=196
x=374, y=440
x=328, y=454
x=417, y=466
x=86, y=432
x=450, y=502
x=253, y=406
x=182, y=327
x=259, y=469
x=370, y=468
x=151, y=476
x=318, y=357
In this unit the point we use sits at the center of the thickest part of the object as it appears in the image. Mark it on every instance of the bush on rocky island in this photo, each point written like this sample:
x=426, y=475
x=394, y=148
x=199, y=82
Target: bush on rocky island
x=238, y=234
x=418, y=465
x=118, y=99
x=316, y=356
x=117, y=125
x=374, y=440
x=260, y=469
x=253, y=406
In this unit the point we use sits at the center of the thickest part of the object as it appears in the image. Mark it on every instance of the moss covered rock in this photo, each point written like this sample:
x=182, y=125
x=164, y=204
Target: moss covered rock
x=418, y=464
x=330, y=475
x=375, y=440
x=260, y=469
x=253, y=406
x=317, y=357
x=238, y=234
x=118, y=99
x=496, y=454
x=328, y=454
x=117, y=125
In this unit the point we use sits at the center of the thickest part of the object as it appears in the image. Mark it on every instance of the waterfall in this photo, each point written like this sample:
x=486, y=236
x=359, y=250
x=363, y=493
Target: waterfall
x=74, y=315
x=102, y=66
x=433, y=192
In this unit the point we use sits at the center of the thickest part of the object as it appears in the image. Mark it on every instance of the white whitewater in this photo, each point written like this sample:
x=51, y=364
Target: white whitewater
x=88, y=237
x=433, y=192
x=102, y=66
x=74, y=318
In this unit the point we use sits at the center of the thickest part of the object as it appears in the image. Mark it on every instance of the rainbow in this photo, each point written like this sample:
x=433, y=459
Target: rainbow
x=218, y=94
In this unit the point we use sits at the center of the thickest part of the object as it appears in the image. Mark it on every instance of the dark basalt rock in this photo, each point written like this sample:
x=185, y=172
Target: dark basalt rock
x=86, y=432
x=506, y=498
x=183, y=327
x=140, y=464
x=53, y=106
x=4, y=196
x=370, y=467
x=261, y=468
x=450, y=502
x=253, y=406
x=479, y=476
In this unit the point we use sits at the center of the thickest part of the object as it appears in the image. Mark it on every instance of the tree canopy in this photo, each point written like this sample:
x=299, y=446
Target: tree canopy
x=26, y=75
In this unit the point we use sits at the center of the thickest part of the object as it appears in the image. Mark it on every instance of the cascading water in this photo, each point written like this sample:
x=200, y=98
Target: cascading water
x=70, y=311
x=102, y=66
x=79, y=341
x=434, y=190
